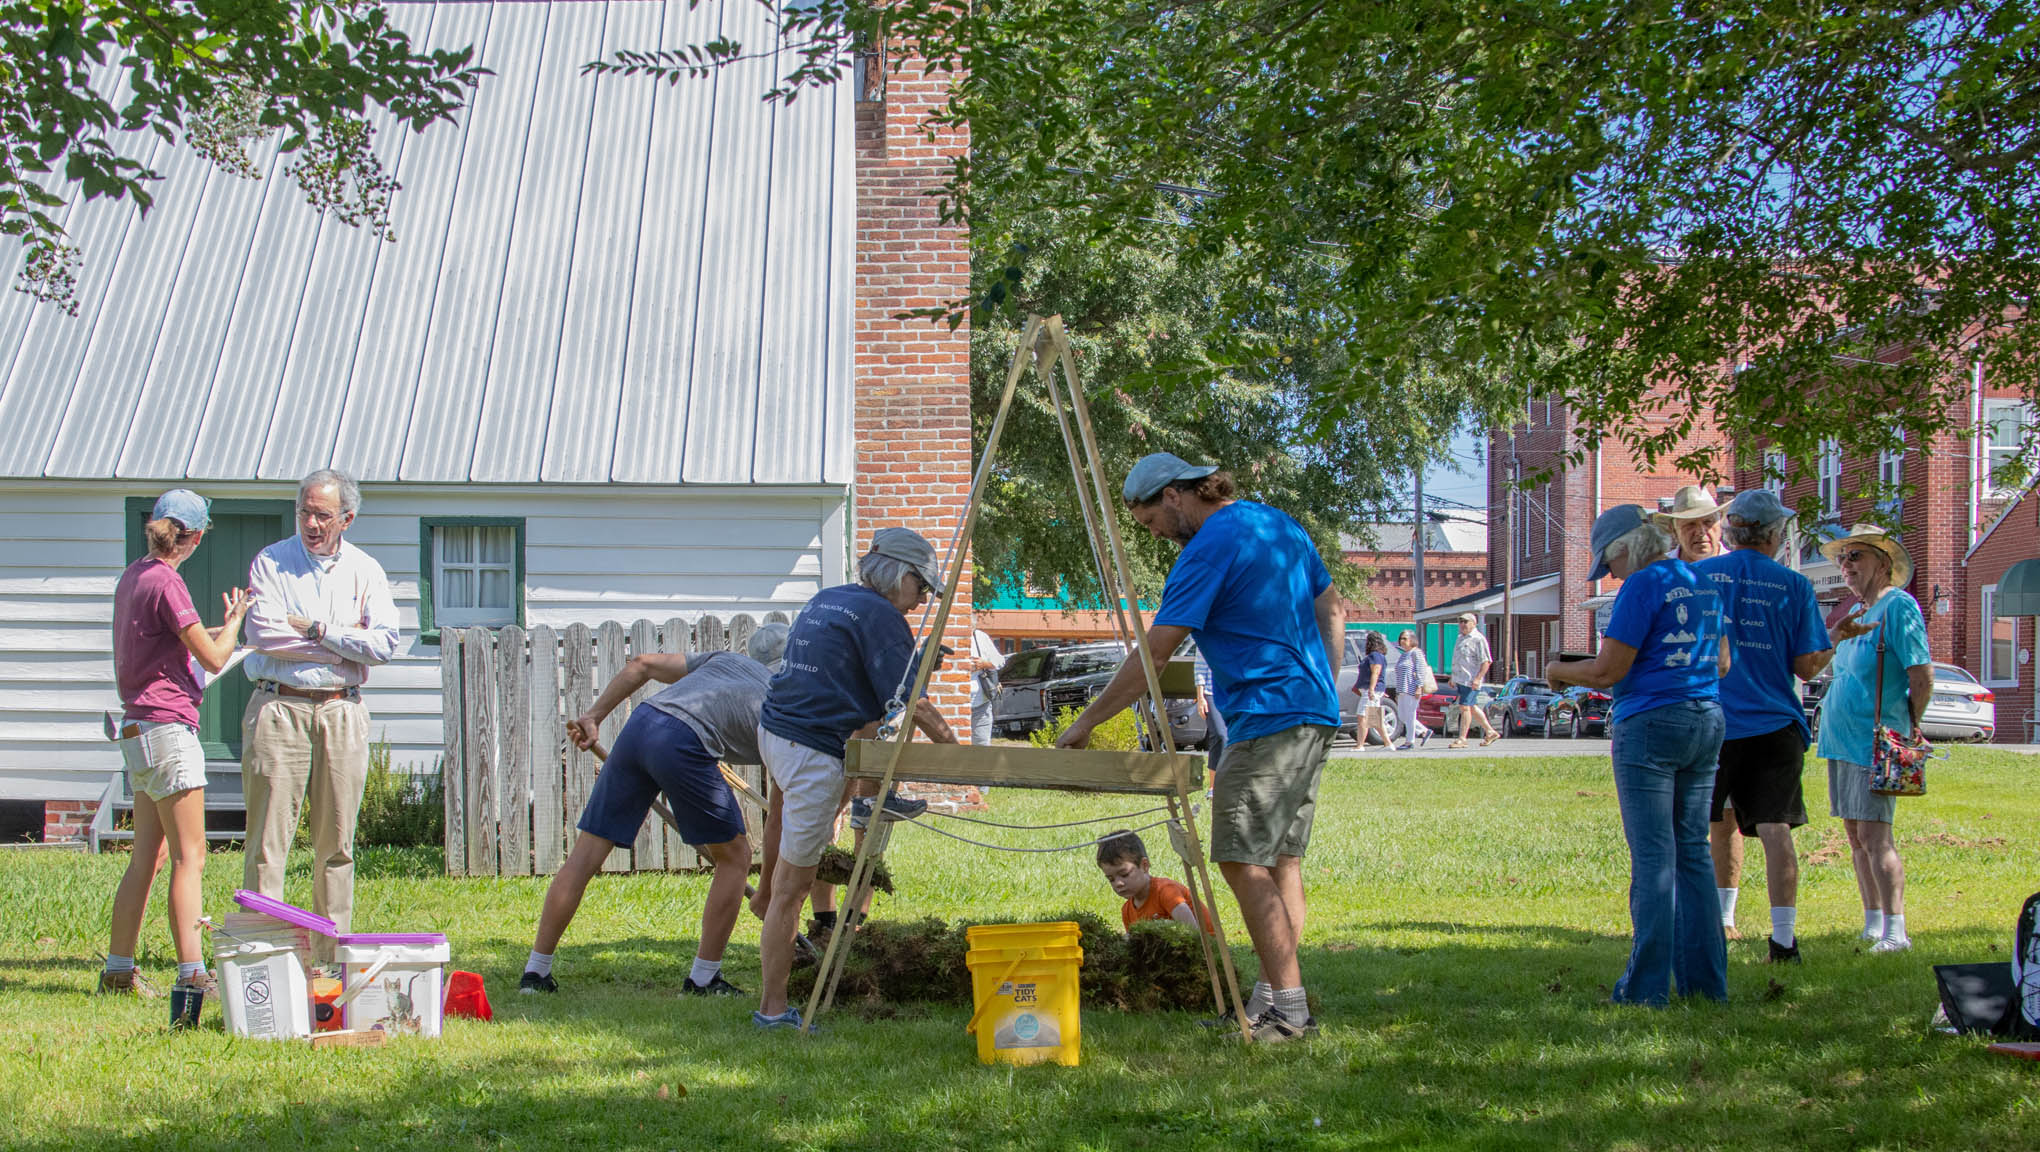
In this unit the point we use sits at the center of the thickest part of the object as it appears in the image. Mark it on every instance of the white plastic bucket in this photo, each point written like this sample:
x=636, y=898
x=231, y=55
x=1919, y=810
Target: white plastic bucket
x=392, y=982
x=263, y=990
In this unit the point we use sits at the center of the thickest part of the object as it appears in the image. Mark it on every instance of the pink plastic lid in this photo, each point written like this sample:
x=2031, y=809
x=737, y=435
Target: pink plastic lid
x=288, y=913
x=371, y=939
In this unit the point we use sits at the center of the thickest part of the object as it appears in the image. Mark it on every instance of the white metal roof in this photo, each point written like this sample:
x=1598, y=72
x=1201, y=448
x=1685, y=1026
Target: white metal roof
x=593, y=280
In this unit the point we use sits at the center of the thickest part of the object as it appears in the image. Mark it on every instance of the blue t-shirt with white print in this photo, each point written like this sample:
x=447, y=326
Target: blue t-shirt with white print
x=1772, y=620
x=845, y=656
x=1673, y=620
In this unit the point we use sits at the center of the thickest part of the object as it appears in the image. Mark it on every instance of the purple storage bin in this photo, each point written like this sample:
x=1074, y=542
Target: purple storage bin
x=375, y=939
x=288, y=913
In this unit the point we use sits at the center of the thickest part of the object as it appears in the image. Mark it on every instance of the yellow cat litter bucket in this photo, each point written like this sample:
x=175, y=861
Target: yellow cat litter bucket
x=1023, y=979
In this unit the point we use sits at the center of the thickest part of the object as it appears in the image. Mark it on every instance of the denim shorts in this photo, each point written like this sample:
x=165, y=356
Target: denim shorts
x=659, y=753
x=164, y=760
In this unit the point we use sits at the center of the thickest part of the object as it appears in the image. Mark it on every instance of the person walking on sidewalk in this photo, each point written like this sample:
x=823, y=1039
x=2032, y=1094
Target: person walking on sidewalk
x=1471, y=660
x=1251, y=587
x=1412, y=670
x=157, y=636
x=1773, y=626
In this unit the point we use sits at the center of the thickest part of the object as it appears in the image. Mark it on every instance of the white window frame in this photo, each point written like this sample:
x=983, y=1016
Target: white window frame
x=1993, y=676
x=436, y=532
x=1996, y=411
x=1775, y=467
x=1830, y=476
x=1891, y=465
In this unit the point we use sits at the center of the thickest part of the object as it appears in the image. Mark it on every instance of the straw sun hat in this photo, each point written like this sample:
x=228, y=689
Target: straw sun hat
x=1691, y=502
x=1872, y=536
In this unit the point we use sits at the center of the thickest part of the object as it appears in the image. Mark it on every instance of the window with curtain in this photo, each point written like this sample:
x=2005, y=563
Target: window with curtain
x=476, y=573
x=2001, y=643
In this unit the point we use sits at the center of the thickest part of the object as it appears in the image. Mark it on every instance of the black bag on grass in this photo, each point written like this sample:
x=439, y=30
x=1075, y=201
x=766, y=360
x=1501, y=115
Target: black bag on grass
x=1998, y=999
x=2025, y=1016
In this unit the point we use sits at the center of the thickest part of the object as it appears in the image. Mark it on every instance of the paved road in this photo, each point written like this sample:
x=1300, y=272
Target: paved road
x=1509, y=747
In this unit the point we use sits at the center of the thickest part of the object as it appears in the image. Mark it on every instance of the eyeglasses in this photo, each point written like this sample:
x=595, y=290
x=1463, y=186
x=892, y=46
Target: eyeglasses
x=1855, y=555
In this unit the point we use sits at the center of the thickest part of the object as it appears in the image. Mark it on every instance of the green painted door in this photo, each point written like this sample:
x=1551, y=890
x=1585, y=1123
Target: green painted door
x=240, y=529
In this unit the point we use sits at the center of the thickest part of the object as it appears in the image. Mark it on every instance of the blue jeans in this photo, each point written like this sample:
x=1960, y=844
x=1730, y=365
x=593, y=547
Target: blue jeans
x=1664, y=781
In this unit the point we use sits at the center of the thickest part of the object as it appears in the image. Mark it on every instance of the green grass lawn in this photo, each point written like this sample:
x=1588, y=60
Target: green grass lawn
x=1467, y=918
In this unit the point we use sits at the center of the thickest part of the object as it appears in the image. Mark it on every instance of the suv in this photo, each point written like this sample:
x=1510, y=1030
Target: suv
x=1017, y=709
x=1187, y=728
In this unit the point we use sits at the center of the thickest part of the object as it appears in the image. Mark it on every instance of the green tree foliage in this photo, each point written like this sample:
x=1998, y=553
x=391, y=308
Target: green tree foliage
x=1151, y=349
x=1614, y=203
x=77, y=74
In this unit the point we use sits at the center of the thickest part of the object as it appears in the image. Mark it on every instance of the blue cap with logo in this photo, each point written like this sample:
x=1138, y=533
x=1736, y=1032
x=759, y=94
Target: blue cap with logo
x=1758, y=506
x=1157, y=471
x=186, y=507
x=1611, y=526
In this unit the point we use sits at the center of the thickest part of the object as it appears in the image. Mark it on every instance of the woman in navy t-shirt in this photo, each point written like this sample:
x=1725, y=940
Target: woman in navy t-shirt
x=1662, y=656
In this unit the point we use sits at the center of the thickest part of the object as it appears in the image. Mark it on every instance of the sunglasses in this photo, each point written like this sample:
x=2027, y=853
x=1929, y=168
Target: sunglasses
x=1855, y=554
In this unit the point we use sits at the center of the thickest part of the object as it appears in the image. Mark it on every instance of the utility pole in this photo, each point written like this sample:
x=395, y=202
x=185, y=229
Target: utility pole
x=1417, y=548
x=1509, y=527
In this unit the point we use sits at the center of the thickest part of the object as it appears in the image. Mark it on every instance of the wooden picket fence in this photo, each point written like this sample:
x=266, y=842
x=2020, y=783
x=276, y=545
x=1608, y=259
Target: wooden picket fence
x=514, y=783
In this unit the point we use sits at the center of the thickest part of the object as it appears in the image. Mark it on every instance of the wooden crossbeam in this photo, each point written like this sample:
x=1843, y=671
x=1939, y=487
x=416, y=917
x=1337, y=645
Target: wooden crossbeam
x=999, y=766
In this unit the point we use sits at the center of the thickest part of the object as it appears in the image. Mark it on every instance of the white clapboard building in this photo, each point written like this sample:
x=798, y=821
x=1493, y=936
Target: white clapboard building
x=602, y=373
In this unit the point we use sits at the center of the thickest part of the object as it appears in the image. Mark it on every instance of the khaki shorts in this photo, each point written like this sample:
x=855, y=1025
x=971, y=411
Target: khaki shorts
x=810, y=785
x=164, y=760
x=1263, y=803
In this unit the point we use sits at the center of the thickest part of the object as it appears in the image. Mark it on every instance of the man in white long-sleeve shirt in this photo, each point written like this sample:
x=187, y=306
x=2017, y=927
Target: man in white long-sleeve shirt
x=319, y=616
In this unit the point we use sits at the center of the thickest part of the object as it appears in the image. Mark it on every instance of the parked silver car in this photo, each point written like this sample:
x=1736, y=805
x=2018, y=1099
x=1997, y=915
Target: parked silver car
x=1961, y=708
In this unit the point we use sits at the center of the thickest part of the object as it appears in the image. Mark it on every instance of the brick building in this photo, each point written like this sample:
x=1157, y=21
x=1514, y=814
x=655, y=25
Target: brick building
x=1455, y=565
x=2006, y=644
x=914, y=455
x=1950, y=502
x=1538, y=536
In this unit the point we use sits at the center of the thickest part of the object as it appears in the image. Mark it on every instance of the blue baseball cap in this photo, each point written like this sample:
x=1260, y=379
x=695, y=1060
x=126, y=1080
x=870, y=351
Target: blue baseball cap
x=1611, y=526
x=1758, y=506
x=186, y=507
x=1157, y=471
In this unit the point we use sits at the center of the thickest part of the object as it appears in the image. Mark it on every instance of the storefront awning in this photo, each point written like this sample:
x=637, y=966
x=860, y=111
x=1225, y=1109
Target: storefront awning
x=2018, y=590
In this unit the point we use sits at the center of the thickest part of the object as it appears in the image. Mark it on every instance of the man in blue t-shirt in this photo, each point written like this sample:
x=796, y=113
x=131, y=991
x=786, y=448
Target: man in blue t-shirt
x=1773, y=626
x=1251, y=587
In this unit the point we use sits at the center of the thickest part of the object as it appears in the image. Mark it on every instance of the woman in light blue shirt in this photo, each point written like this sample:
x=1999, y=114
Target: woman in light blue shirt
x=1877, y=568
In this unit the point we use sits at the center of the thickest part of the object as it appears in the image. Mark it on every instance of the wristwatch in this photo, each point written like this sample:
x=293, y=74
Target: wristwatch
x=316, y=633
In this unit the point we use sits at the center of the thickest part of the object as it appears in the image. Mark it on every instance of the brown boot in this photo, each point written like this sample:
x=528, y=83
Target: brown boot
x=128, y=983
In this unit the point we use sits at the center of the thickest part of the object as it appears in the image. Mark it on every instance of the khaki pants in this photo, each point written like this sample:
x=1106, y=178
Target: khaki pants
x=302, y=751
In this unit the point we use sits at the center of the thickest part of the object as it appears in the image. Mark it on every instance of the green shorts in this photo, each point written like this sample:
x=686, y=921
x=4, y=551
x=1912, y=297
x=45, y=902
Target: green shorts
x=1266, y=795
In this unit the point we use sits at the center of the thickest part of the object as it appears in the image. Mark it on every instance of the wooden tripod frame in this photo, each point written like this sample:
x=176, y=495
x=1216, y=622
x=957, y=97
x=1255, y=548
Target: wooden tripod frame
x=1043, y=343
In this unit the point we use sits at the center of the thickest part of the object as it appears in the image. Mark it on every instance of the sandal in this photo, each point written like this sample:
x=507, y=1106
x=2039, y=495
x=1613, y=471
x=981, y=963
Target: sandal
x=1491, y=738
x=1457, y=744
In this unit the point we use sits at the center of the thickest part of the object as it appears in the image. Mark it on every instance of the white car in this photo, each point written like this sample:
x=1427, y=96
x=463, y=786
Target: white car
x=1961, y=708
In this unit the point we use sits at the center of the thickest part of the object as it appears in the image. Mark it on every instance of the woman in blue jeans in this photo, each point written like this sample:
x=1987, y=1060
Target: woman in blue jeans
x=1662, y=655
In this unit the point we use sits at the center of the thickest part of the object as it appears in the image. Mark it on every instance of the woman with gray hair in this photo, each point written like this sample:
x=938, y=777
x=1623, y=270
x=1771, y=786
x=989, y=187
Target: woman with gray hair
x=1662, y=658
x=846, y=659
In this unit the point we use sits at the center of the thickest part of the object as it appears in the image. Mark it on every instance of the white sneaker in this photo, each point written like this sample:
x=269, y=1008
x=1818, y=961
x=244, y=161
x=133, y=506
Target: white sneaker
x=1892, y=944
x=1869, y=937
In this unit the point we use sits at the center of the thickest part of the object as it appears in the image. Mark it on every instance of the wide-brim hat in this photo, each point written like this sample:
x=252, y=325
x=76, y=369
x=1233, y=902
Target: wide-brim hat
x=1691, y=502
x=1874, y=536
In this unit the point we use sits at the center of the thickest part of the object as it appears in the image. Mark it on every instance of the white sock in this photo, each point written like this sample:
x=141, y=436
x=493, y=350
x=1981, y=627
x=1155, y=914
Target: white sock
x=1728, y=896
x=1894, y=926
x=1294, y=1003
x=1873, y=923
x=1784, y=925
x=120, y=963
x=540, y=962
x=186, y=971
x=1262, y=999
x=704, y=972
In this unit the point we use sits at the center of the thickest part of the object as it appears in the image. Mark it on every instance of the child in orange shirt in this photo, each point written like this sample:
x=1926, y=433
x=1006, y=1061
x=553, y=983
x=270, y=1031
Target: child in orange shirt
x=1124, y=860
